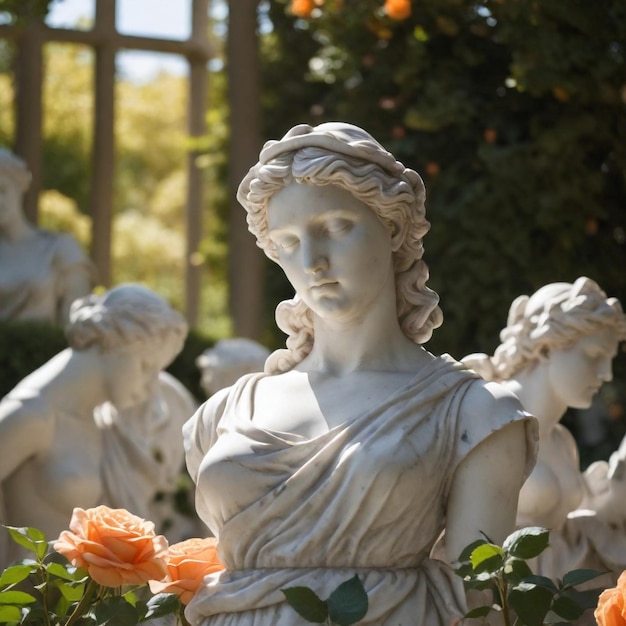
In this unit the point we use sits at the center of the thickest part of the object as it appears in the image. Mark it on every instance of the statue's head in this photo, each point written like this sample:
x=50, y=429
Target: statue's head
x=131, y=333
x=555, y=318
x=13, y=169
x=344, y=155
x=127, y=316
x=228, y=360
x=348, y=157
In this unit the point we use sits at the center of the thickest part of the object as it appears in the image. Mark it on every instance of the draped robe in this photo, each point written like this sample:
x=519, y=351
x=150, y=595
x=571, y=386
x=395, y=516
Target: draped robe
x=367, y=497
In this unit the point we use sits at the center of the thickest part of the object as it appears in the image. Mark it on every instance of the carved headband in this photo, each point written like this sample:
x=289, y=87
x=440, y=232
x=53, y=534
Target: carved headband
x=324, y=137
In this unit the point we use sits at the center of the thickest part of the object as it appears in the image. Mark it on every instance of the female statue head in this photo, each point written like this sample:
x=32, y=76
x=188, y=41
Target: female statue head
x=124, y=317
x=555, y=317
x=347, y=157
x=228, y=360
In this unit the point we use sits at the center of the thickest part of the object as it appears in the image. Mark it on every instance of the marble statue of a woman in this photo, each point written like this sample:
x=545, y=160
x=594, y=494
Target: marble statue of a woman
x=144, y=441
x=556, y=351
x=356, y=447
x=41, y=272
x=228, y=360
x=53, y=454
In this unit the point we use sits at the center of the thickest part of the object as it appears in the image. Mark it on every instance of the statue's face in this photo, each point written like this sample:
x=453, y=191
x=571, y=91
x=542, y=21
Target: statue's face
x=577, y=373
x=10, y=200
x=131, y=374
x=333, y=249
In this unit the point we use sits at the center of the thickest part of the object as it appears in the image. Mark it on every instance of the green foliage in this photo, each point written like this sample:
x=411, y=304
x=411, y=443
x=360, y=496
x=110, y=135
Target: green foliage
x=25, y=11
x=184, y=365
x=25, y=346
x=512, y=111
x=149, y=229
x=522, y=597
x=346, y=605
x=47, y=590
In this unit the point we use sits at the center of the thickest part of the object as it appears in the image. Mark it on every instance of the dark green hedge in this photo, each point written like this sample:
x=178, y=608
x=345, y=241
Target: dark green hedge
x=25, y=346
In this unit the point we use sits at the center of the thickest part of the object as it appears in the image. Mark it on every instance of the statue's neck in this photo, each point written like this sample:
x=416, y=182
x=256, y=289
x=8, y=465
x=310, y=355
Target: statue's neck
x=534, y=389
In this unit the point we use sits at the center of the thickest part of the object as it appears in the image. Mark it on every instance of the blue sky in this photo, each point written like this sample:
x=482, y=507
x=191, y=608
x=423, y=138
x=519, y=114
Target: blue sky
x=154, y=18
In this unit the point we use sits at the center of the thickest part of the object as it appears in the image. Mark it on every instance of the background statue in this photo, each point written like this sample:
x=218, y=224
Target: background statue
x=228, y=360
x=54, y=456
x=556, y=352
x=145, y=440
x=41, y=272
x=356, y=447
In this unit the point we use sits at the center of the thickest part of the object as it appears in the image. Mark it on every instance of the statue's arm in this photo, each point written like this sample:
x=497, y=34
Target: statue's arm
x=486, y=485
x=23, y=434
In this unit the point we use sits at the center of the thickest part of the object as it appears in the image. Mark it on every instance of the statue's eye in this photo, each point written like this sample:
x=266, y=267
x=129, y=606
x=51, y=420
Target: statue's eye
x=337, y=225
x=286, y=242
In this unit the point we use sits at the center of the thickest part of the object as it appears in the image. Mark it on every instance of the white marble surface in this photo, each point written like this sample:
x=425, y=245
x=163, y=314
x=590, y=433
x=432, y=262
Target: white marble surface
x=53, y=454
x=41, y=272
x=556, y=352
x=357, y=447
x=228, y=360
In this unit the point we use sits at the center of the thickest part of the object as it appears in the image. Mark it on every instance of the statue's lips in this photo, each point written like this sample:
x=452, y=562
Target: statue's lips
x=323, y=284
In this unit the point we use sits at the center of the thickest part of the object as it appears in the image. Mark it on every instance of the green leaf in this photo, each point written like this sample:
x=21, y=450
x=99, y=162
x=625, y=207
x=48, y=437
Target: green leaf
x=35, y=615
x=62, y=606
x=307, y=603
x=348, y=603
x=479, y=611
x=463, y=566
x=540, y=581
x=160, y=605
x=530, y=602
x=527, y=543
x=587, y=599
x=30, y=538
x=56, y=569
x=567, y=608
x=15, y=574
x=487, y=558
x=515, y=570
x=115, y=611
x=9, y=614
x=72, y=593
x=579, y=576
x=78, y=574
x=16, y=597
x=131, y=597
x=467, y=551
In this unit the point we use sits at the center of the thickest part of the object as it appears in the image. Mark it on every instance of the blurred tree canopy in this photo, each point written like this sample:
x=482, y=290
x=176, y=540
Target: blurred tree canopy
x=148, y=242
x=22, y=11
x=513, y=112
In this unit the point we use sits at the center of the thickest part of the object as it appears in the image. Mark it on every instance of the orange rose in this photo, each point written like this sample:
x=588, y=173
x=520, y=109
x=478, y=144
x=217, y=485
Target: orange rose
x=116, y=547
x=611, y=609
x=188, y=562
x=398, y=9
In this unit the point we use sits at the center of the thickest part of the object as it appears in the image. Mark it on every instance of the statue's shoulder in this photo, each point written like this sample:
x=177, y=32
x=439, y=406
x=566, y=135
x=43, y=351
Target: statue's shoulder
x=66, y=249
x=491, y=402
x=25, y=409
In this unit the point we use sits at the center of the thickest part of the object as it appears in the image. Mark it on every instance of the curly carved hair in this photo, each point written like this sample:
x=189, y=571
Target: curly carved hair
x=555, y=317
x=125, y=315
x=346, y=156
